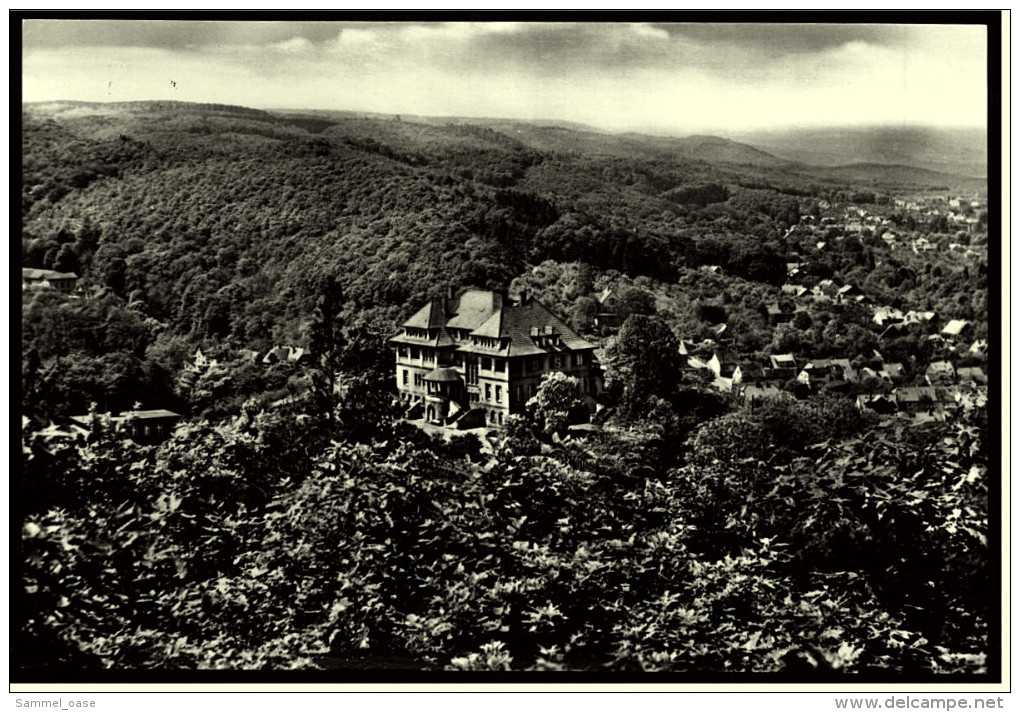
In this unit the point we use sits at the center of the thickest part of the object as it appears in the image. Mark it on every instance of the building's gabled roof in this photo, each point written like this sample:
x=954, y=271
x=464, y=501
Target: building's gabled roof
x=818, y=363
x=127, y=415
x=438, y=340
x=443, y=375
x=473, y=308
x=148, y=414
x=940, y=367
x=884, y=314
x=913, y=394
x=491, y=327
x=513, y=327
x=783, y=361
x=430, y=316
x=31, y=273
x=755, y=391
x=892, y=371
x=971, y=373
x=955, y=327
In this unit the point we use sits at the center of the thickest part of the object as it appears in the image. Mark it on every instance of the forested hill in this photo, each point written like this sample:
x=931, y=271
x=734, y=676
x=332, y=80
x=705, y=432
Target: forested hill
x=220, y=224
x=219, y=219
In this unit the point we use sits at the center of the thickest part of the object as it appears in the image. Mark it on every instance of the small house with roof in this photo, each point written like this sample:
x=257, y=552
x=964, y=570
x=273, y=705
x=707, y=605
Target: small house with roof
x=782, y=311
x=892, y=372
x=753, y=396
x=956, y=329
x=972, y=374
x=940, y=373
x=884, y=316
x=608, y=314
x=284, y=354
x=142, y=426
x=61, y=281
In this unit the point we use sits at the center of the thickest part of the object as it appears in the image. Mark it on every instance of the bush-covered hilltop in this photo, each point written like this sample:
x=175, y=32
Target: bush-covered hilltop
x=245, y=269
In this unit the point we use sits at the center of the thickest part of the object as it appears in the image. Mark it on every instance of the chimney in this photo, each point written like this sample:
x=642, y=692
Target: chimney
x=523, y=297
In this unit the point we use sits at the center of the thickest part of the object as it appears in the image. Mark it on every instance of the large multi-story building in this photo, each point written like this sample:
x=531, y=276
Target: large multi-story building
x=480, y=357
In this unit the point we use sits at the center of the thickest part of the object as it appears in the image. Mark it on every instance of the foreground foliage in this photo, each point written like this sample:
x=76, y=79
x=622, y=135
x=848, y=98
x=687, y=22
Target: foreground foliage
x=864, y=556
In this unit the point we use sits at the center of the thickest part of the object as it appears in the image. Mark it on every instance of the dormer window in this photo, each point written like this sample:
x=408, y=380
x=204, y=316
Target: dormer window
x=545, y=337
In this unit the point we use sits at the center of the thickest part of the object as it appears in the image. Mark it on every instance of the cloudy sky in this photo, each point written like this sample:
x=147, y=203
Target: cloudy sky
x=636, y=76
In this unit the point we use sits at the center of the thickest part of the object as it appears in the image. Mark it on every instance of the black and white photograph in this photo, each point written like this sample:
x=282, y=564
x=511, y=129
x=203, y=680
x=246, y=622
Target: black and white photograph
x=483, y=348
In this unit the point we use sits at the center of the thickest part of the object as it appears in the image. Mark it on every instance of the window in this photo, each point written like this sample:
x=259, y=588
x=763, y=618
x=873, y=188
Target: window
x=557, y=361
x=499, y=394
x=486, y=364
x=405, y=377
x=418, y=380
x=415, y=352
x=535, y=364
x=402, y=351
x=578, y=359
x=500, y=365
x=488, y=391
x=519, y=393
x=501, y=417
x=532, y=389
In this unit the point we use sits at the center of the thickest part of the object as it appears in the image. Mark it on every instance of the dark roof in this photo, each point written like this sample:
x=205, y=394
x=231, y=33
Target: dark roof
x=915, y=393
x=30, y=273
x=430, y=316
x=431, y=319
x=955, y=327
x=146, y=414
x=443, y=375
x=128, y=414
x=473, y=308
x=513, y=326
x=467, y=313
x=437, y=339
x=972, y=373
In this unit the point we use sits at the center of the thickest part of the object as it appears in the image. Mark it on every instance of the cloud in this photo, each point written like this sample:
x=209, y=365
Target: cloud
x=681, y=77
x=170, y=34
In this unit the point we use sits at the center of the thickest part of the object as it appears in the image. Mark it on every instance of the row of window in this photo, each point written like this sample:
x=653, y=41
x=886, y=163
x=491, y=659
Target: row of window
x=558, y=361
x=415, y=353
x=521, y=392
x=419, y=379
x=496, y=365
x=488, y=393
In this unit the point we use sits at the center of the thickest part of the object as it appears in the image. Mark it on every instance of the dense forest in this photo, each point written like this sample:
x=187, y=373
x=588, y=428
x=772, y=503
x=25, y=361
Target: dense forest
x=295, y=521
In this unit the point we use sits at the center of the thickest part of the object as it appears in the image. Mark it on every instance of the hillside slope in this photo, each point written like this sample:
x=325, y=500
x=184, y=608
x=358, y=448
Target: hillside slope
x=221, y=221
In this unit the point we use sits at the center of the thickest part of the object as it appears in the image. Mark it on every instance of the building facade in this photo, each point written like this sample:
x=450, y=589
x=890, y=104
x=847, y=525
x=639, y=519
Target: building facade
x=60, y=281
x=478, y=358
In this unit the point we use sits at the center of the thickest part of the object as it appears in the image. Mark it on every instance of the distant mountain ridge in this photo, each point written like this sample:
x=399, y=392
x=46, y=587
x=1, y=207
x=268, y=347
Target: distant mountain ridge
x=959, y=151
x=910, y=153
